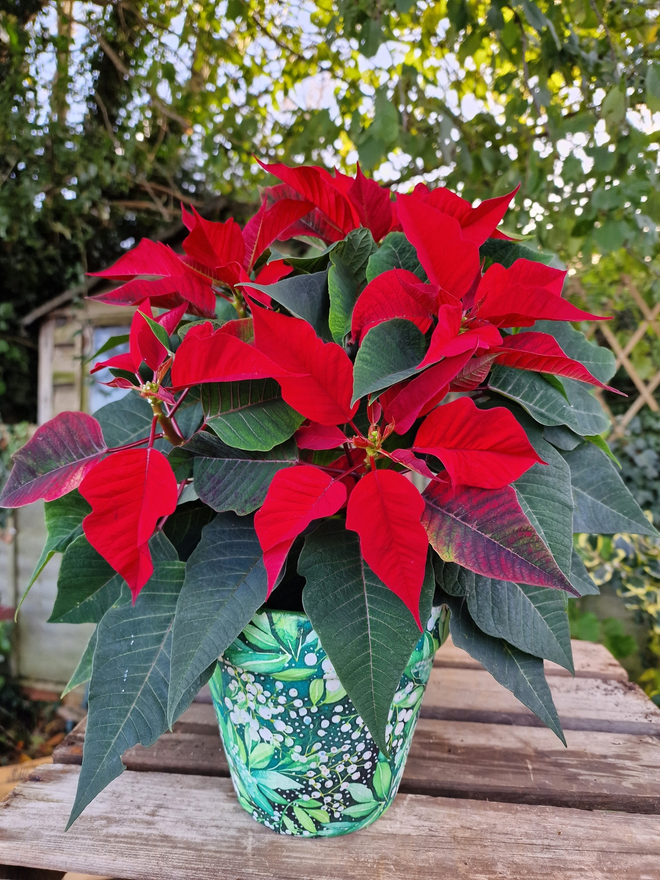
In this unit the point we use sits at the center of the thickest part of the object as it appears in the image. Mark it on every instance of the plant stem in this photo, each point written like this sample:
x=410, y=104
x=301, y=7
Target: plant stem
x=134, y=444
x=166, y=424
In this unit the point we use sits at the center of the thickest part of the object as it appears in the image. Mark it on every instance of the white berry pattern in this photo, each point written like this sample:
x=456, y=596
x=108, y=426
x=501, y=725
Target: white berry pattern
x=301, y=758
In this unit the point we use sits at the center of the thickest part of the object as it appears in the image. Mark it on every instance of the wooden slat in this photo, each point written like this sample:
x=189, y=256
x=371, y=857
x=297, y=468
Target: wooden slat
x=148, y=825
x=591, y=661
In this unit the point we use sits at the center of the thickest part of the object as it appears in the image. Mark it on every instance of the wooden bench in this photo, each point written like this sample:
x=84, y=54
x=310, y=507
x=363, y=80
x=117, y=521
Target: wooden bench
x=488, y=792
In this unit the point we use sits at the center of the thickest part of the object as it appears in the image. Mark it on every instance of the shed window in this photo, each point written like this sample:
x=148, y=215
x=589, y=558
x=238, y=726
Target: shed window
x=100, y=394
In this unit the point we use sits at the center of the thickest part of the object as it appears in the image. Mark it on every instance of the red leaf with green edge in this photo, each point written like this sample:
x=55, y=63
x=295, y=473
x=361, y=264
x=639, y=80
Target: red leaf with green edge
x=484, y=448
x=128, y=491
x=143, y=344
x=220, y=356
x=478, y=223
x=525, y=293
x=449, y=259
x=473, y=373
x=315, y=436
x=268, y=224
x=385, y=298
x=412, y=462
x=487, y=532
x=372, y=203
x=541, y=353
x=55, y=460
x=170, y=320
x=385, y=510
x=318, y=187
x=404, y=406
x=322, y=382
x=296, y=496
x=214, y=244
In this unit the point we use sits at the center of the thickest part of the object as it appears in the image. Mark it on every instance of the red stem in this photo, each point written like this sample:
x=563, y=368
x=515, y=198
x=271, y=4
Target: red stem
x=133, y=445
x=179, y=402
x=152, y=433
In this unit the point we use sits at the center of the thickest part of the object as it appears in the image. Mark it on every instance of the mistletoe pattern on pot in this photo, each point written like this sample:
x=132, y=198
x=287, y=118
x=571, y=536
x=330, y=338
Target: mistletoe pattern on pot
x=301, y=758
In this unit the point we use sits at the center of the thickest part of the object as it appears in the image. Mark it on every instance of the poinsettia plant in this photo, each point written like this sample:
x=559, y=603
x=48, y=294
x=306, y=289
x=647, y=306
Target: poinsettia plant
x=404, y=415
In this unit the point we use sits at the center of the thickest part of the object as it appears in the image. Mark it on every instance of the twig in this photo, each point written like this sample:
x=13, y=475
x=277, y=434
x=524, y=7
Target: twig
x=106, y=120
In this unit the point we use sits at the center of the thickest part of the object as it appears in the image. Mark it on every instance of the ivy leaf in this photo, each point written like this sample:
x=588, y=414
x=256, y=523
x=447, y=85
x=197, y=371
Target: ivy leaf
x=225, y=583
x=515, y=670
x=55, y=460
x=603, y=503
x=250, y=415
x=87, y=586
x=390, y=352
x=364, y=628
x=395, y=252
x=347, y=278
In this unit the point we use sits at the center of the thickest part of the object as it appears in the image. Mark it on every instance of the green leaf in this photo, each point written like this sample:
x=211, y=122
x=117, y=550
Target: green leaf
x=304, y=819
x=600, y=361
x=83, y=670
x=364, y=628
x=562, y=437
x=582, y=413
x=108, y=345
x=360, y=793
x=305, y=296
x=546, y=497
x=87, y=586
x=184, y=527
x=316, y=690
x=227, y=478
x=225, y=583
x=498, y=250
x=250, y=415
x=390, y=352
x=347, y=278
x=653, y=87
x=159, y=332
x=382, y=779
x=395, y=252
x=613, y=108
x=603, y=503
x=517, y=671
x=581, y=579
x=130, y=673
x=64, y=518
x=601, y=444
x=125, y=421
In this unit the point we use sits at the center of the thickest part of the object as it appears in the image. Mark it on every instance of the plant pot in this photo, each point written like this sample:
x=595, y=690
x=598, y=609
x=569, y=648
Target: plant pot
x=302, y=761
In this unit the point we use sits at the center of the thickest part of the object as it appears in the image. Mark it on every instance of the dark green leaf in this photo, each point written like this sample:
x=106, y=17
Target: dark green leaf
x=582, y=413
x=184, y=527
x=517, y=671
x=83, y=671
x=86, y=586
x=603, y=503
x=126, y=420
x=600, y=361
x=498, y=250
x=190, y=414
x=364, y=628
x=159, y=332
x=561, y=437
x=130, y=674
x=395, y=252
x=347, y=278
x=390, y=352
x=250, y=415
x=108, y=345
x=225, y=584
x=305, y=296
x=581, y=579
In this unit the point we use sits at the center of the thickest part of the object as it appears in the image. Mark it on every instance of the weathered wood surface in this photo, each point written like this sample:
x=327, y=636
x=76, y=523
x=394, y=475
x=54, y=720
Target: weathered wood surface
x=158, y=825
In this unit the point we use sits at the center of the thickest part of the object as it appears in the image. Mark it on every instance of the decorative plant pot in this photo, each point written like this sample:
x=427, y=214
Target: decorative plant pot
x=302, y=761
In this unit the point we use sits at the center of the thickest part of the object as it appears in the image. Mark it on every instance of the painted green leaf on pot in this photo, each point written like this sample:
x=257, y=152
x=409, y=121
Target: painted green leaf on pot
x=395, y=252
x=305, y=296
x=64, y=518
x=600, y=361
x=487, y=532
x=128, y=688
x=347, y=278
x=382, y=779
x=603, y=503
x=517, y=671
x=87, y=586
x=581, y=412
x=365, y=629
x=225, y=583
x=390, y=353
x=546, y=498
x=250, y=415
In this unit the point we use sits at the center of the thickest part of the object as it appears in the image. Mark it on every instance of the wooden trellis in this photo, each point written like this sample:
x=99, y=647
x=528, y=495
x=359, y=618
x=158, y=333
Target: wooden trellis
x=650, y=324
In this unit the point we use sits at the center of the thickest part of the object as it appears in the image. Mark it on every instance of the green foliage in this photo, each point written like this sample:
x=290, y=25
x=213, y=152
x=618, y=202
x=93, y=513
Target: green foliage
x=389, y=353
x=639, y=455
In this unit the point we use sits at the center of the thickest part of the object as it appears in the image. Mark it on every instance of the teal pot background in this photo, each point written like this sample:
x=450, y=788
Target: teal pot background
x=301, y=759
